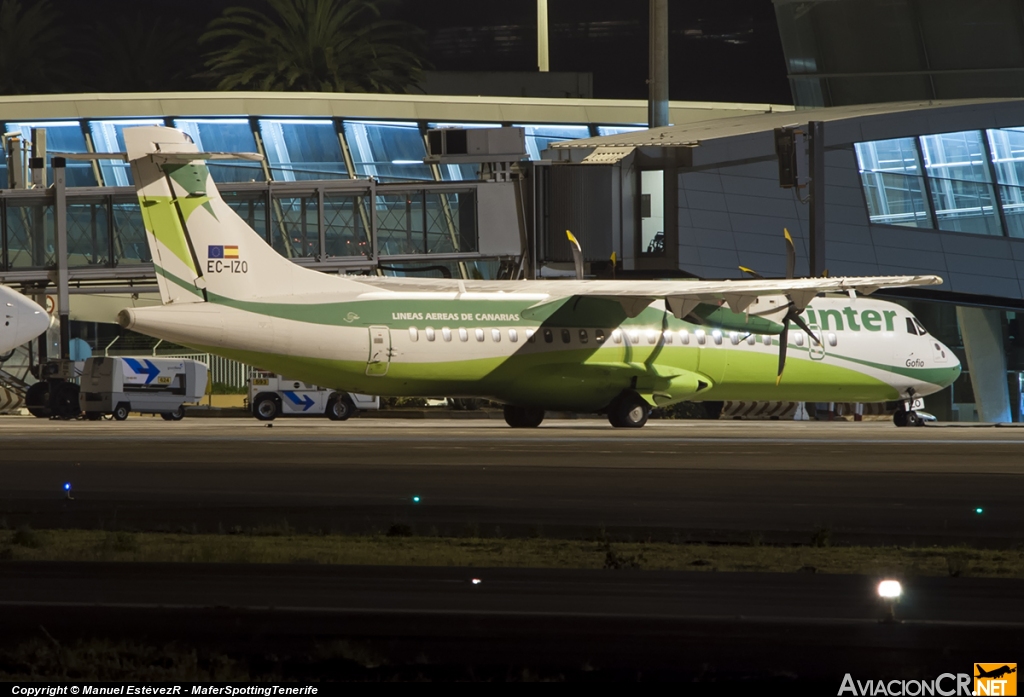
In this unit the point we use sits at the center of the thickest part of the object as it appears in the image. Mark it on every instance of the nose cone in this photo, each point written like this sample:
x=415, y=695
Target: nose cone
x=23, y=319
x=953, y=371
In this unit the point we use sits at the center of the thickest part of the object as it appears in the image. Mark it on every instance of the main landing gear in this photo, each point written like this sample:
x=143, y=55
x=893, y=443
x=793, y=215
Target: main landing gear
x=523, y=417
x=629, y=410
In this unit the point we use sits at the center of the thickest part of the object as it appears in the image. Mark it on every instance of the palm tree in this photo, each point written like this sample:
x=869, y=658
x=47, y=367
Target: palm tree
x=33, y=59
x=313, y=46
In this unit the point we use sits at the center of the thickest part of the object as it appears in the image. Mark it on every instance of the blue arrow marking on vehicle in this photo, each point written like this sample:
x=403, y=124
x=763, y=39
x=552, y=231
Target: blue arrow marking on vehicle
x=150, y=370
x=306, y=399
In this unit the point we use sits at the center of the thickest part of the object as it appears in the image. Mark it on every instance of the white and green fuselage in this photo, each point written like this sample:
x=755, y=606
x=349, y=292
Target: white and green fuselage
x=522, y=343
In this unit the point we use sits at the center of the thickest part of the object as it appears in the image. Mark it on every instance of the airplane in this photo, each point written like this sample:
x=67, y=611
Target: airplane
x=589, y=346
x=996, y=672
x=22, y=320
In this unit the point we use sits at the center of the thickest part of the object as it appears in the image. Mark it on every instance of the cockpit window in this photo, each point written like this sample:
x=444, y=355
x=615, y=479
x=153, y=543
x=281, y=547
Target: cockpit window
x=920, y=327
x=911, y=328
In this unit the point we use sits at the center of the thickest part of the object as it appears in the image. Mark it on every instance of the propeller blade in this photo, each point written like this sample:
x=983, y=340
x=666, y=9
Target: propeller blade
x=790, y=254
x=798, y=321
x=783, y=345
x=753, y=273
x=577, y=254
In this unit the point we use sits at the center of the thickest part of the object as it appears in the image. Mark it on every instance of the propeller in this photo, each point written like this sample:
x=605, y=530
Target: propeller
x=577, y=254
x=792, y=312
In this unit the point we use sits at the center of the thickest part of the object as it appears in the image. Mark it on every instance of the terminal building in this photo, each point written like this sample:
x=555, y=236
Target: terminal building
x=347, y=186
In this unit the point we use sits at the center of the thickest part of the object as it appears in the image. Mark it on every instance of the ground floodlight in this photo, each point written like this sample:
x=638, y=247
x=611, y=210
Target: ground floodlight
x=890, y=590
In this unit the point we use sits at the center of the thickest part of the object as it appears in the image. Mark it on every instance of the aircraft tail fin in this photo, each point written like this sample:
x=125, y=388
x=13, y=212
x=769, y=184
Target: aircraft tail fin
x=202, y=250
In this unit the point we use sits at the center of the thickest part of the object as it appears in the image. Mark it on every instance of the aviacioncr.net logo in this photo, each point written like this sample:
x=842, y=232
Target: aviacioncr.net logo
x=995, y=678
x=944, y=685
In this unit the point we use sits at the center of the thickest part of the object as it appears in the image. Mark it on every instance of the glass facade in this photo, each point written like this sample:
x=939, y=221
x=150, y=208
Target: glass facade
x=61, y=136
x=967, y=181
x=539, y=137
x=300, y=149
x=389, y=151
x=225, y=135
x=108, y=136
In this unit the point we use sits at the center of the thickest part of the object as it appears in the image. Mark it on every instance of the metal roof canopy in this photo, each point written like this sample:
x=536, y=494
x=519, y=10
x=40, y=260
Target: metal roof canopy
x=750, y=138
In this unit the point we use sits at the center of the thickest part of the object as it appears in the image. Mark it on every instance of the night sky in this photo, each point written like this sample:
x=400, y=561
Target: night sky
x=721, y=50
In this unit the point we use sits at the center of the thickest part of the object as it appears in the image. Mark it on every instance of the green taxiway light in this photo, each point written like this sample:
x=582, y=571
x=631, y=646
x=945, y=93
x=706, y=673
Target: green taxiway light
x=416, y=499
x=979, y=510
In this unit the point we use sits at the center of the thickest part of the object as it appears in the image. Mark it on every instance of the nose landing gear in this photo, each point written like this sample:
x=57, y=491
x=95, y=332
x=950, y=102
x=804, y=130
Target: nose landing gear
x=909, y=413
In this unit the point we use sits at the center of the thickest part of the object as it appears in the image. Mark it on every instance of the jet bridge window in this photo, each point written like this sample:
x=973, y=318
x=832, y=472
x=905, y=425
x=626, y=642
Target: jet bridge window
x=566, y=336
x=429, y=331
x=414, y=334
x=549, y=336
x=479, y=334
x=583, y=336
x=599, y=336
x=446, y=333
x=463, y=334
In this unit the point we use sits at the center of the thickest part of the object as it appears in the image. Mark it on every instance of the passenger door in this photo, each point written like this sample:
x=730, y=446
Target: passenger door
x=379, y=360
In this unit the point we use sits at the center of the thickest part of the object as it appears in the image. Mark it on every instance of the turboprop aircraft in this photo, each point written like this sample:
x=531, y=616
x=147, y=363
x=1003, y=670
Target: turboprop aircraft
x=614, y=347
x=21, y=320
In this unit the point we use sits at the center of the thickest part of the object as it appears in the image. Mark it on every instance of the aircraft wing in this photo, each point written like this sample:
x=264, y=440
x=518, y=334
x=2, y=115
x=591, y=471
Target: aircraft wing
x=681, y=296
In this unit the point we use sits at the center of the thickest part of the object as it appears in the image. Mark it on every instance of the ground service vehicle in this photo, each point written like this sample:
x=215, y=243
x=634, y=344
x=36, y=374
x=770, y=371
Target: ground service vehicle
x=117, y=385
x=271, y=395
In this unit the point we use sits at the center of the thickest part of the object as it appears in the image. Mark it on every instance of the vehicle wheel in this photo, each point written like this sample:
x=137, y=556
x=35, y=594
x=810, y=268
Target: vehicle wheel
x=913, y=419
x=37, y=400
x=523, y=417
x=93, y=415
x=900, y=418
x=340, y=408
x=629, y=411
x=121, y=411
x=265, y=407
x=65, y=401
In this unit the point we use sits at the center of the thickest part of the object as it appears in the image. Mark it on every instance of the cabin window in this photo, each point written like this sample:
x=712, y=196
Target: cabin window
x=701, y=336
x=767, y=339
x=446, y=333
x=798, y=338
x=479, y=334
x=463, y=334
x=634, y=337
x=566, y=336
x=429, y=331
x=583, y=336
x=667, y=336
x=832, y=340
x=513, y=335
x=911, y=329
x=599, y=336
x=414, y=334
x=684, y=337
x=652, y=336
x=717, y=336
x=531, y=336
x=549, y=336
x=617, y=336
x=751, y=339
x=496, y=335
x=735, y=338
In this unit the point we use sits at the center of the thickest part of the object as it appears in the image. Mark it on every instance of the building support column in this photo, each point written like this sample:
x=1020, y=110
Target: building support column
x=982, y=332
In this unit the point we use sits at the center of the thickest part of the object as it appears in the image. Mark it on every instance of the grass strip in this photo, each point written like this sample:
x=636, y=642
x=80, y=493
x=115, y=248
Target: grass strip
x=97, y=545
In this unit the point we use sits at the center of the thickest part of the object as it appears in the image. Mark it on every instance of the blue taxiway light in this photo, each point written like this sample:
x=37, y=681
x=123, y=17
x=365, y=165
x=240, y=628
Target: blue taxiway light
x=67, y=486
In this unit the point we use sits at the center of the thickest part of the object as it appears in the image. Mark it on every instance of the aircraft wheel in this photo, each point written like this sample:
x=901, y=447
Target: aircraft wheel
x=265, y=407
x=340, y=408
x=37, y=400
x=900, y=418
x=913, y=419
x=121, y=411
x=629, y=411
x=523, y=417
